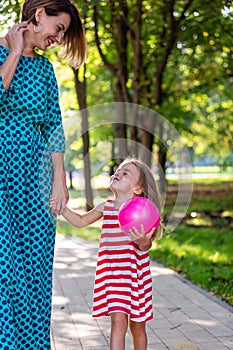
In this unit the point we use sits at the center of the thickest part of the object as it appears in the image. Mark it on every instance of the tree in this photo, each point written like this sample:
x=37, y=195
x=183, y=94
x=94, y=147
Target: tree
x=81, y=95
x=145, y=46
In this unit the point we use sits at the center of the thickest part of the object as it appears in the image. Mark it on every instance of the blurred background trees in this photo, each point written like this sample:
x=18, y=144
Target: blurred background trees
x=173, y=57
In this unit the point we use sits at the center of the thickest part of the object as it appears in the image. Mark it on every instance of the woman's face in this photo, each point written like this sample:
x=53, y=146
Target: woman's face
x=50, y=29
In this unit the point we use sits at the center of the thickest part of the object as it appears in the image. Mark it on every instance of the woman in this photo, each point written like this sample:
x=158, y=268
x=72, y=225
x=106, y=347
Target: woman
x=31, y=167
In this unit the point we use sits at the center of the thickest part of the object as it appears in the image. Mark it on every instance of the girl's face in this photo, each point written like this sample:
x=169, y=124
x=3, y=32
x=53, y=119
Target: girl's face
x=125, y=181
x=50, y=28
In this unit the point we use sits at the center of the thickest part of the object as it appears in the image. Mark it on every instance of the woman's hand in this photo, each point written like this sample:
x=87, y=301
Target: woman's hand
x=59, y=197
x=15, y=37
x=144, y=240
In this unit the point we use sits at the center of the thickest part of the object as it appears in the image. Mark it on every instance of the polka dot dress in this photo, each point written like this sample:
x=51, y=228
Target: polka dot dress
x=30, y=130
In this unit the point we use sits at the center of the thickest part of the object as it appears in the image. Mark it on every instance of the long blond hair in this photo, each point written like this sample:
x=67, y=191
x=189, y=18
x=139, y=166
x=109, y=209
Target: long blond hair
x=149, y=186
x=74, y=41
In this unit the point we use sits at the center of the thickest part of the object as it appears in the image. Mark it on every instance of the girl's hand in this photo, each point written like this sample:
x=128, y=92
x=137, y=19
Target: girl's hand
x=144, y=240
x=15, y=37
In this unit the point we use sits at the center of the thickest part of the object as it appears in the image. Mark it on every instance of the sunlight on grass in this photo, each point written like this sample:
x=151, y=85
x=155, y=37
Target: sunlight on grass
x=189, y=249
x=199, y=222
x=202, y=254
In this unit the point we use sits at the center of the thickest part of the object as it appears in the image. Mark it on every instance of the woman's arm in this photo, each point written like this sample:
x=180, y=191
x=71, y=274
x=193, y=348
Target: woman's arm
x=14, y=41
x=8, y=69
x=59, y=193
x=53, y=134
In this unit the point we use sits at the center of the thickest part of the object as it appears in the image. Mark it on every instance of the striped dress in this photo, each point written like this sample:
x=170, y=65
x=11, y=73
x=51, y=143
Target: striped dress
x=123, y=279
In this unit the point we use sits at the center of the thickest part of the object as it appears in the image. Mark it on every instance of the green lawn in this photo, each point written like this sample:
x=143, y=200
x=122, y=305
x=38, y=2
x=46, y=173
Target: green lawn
x=202, y=254
x=200, y=248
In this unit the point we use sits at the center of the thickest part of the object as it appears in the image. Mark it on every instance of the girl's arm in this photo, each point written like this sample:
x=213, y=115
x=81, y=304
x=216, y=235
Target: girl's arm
x=86, y=219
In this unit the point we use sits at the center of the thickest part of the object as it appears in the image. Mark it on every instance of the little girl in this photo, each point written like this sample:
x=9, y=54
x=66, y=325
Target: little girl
x=123, y=283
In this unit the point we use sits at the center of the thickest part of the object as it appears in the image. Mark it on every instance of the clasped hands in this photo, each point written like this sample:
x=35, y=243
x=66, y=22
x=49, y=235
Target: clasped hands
x=58, y=200
x=57, y=205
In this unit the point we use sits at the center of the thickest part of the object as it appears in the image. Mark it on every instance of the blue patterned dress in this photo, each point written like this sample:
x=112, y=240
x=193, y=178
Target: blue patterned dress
x=30, y=130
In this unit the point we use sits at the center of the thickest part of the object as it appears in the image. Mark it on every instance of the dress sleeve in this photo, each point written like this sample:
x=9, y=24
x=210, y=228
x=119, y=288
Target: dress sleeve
x=52, y=129
x=3, y=92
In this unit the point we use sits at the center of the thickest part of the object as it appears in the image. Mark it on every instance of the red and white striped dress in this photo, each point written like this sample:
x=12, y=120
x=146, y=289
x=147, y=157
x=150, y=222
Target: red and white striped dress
x=123, y=280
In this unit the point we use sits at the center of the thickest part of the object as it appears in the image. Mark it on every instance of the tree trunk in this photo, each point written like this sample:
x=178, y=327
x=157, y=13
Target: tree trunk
x=119, y=71
x=71, y=179
x=81, y=96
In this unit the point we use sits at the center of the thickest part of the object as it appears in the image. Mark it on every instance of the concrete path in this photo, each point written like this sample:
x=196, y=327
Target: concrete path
x=185, y=316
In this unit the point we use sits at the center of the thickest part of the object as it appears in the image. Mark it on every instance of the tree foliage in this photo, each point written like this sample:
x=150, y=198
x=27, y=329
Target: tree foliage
x=9, y=12
x=173, y=56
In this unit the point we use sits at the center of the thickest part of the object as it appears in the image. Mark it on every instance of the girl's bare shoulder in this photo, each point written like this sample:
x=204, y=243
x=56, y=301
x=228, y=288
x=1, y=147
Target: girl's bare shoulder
x=100, y=207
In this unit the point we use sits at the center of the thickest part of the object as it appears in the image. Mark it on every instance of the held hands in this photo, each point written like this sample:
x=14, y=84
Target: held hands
x=144, y=240
x=59, y=198
x=15, y=37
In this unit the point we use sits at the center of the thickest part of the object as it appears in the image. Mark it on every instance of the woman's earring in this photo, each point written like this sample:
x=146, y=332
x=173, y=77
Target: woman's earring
x=37, y=28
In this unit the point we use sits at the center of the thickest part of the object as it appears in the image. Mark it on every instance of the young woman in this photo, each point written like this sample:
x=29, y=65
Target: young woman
x=31, y=167
x=123, y=284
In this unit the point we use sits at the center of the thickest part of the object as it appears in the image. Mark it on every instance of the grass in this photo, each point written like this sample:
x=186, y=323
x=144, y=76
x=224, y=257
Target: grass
x=200, y=248
x=202, y=254
x=91, y=233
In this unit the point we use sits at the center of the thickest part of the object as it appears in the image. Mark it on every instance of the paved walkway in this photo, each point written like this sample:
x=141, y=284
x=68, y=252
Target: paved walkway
x=186, y=317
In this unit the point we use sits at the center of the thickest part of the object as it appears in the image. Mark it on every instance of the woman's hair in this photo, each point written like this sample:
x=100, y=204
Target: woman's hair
x=149, y=186
x=74, y=41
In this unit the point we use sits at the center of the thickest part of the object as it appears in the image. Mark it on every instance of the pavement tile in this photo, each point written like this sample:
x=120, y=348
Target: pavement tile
x=185, y=316
x=213, y=346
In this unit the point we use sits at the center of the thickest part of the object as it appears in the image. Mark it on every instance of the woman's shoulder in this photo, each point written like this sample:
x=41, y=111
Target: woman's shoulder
x=46, y=61
x=46, y=67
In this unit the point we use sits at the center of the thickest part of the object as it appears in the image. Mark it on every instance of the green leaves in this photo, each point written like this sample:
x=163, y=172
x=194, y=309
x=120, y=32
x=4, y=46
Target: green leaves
x=9, y=13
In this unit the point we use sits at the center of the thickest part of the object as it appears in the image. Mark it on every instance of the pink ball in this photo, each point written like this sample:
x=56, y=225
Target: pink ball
x=138, y=211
